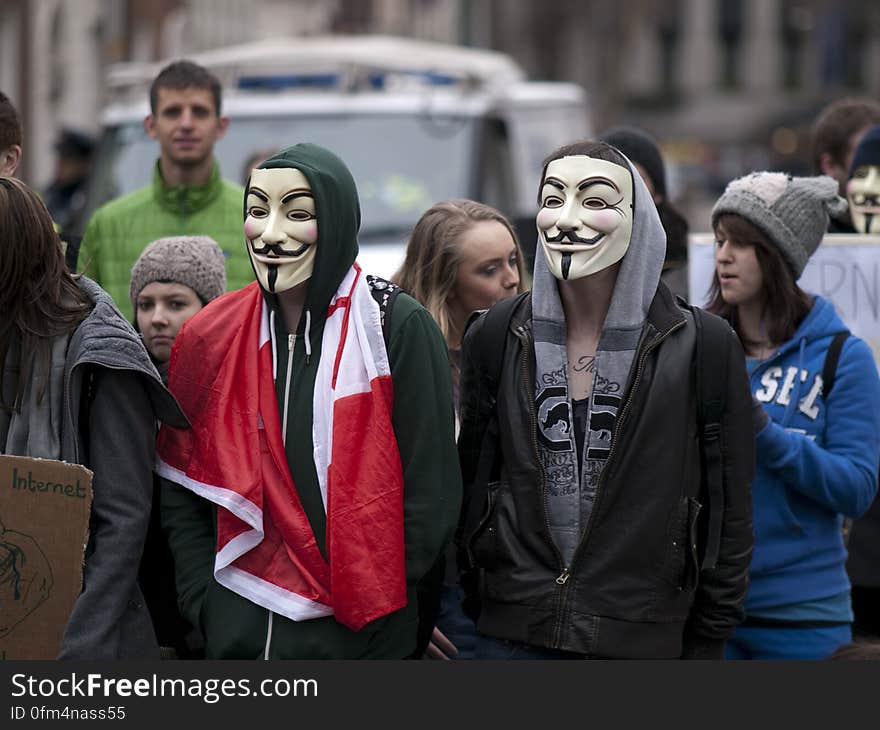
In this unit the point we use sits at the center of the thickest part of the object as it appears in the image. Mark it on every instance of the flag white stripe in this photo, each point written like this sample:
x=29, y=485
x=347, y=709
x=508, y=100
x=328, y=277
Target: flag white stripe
x=268, y=595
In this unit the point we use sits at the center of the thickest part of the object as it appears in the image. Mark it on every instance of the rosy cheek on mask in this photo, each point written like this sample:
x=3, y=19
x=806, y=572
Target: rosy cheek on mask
x=251, y=228
x=604, y=220
x=310, y=234
x=546, y=218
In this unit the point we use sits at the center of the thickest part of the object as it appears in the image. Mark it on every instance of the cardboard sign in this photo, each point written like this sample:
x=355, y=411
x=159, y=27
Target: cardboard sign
x=845, y=269
x=44, y=527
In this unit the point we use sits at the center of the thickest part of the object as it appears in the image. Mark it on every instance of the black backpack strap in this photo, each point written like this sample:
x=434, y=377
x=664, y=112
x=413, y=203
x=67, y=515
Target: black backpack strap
x=832, y=355
x=490, y=347
x=712, y=351
x=489, y=351
x=385, y=293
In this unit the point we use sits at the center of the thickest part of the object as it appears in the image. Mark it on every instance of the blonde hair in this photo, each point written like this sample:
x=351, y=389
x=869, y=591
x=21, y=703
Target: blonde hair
x=430, y=268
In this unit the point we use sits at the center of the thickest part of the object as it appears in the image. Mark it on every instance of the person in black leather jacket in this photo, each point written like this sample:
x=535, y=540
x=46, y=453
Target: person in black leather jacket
x=590, y=529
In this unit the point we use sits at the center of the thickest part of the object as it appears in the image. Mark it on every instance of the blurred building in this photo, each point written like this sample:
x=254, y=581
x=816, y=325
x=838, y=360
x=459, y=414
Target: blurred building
x=725, y=84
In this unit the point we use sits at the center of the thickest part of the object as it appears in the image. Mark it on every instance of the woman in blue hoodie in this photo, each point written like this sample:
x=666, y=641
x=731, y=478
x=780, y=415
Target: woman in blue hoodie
x=817, y=452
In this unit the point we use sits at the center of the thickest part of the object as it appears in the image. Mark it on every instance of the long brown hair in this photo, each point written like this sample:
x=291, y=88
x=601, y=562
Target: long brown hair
x=430, y=268
x=39, y=299
x=785, y=304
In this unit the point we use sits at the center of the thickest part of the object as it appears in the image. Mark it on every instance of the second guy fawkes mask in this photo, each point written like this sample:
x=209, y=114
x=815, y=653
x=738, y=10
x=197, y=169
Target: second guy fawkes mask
x=281, y=227
x=863, y=194
x=586, y=216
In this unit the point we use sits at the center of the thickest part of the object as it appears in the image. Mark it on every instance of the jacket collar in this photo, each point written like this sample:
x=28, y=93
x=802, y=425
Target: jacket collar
x=664, y=313
x=186, y=199
x=104, y=338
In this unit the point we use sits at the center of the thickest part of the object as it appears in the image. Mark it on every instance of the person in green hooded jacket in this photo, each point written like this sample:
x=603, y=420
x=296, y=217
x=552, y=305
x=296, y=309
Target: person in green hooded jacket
x=187, y=196
x=309, y=506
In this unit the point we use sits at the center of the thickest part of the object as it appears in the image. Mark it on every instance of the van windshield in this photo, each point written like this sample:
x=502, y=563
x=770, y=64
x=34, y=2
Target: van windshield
x=402, y=164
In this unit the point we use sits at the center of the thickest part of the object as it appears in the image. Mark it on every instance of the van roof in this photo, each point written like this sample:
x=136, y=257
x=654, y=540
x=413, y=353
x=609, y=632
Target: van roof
x=439, y=103
x=353, y=62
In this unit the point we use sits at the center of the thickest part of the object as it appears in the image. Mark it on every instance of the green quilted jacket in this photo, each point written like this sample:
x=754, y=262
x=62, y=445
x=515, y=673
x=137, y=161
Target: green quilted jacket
x=120, y=230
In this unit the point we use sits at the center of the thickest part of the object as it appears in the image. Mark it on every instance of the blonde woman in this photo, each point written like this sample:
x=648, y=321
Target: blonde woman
x=462, y=257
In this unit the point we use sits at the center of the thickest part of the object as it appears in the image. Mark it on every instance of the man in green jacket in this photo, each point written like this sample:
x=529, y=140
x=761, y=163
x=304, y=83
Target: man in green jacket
x=309, y=506
x=187, y=195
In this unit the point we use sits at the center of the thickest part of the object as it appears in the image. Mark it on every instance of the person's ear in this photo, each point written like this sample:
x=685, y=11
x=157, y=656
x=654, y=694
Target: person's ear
x=150, y=125
x=9, y=159
x=831, y=167
x=223, y=125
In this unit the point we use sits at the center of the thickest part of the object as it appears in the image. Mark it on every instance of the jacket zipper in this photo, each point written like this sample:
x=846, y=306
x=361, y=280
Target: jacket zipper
x=291, y=343
x=69, y=409
x=562, y=580
x=182, y=199
x=268, y=637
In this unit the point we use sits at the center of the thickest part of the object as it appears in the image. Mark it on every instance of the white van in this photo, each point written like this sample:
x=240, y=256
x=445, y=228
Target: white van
x=416, y=122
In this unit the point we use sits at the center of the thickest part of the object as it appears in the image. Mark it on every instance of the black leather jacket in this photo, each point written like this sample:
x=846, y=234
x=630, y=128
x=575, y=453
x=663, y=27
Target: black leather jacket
x=634, y=588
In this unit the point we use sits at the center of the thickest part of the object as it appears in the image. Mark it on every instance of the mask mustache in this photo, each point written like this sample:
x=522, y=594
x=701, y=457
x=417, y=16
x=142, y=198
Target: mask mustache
x=573, y=238
x=869, y=199
x=277, y=250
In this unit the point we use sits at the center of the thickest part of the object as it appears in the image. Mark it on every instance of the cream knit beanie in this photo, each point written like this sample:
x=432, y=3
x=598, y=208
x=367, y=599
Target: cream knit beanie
x=195, y=261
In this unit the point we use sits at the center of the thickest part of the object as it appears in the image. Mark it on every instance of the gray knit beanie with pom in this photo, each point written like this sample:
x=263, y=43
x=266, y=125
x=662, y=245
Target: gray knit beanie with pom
x=195, y=261
x=791, y=211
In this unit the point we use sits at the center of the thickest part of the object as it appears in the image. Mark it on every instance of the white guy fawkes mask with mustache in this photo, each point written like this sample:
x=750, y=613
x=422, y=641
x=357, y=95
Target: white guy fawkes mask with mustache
x=863, y=194
x=586, y=216
x=281, y=227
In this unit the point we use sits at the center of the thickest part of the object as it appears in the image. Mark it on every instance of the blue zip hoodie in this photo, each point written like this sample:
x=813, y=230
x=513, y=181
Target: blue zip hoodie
x=816, y=461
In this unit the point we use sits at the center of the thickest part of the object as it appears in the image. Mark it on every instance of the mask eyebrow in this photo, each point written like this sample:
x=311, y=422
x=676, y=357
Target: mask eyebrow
x=590, y=181
x=259, y=193
x=554, y=182
x=293, y=194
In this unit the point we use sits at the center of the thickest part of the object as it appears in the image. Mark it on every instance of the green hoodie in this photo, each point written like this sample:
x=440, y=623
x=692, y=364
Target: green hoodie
x=120, y=230
x=423, y=423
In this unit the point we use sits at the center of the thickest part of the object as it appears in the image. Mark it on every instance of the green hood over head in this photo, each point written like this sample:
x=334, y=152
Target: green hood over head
x=338, y=213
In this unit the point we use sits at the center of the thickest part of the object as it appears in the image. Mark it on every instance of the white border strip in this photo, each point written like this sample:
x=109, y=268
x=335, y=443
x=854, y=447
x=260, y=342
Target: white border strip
x=270, y=596
x=242, y=508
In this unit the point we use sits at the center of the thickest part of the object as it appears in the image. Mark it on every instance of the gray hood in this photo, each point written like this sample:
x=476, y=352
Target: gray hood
x=637, y=278
x=571, y=490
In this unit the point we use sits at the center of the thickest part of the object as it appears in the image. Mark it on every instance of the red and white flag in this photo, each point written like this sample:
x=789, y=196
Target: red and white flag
x=222, y=375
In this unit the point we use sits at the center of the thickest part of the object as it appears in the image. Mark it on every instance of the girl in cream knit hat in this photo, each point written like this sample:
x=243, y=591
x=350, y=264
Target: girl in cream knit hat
x=171, y=281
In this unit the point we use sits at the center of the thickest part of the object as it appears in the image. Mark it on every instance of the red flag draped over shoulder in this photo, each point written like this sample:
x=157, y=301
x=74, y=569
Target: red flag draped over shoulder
x=222, y=375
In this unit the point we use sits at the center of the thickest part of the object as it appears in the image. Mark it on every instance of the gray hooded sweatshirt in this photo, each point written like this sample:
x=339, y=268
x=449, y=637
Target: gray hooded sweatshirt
x=107, y=377
x=572, y=487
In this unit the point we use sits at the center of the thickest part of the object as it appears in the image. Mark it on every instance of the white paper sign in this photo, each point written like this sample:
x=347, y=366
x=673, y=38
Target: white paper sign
x=845, y=269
